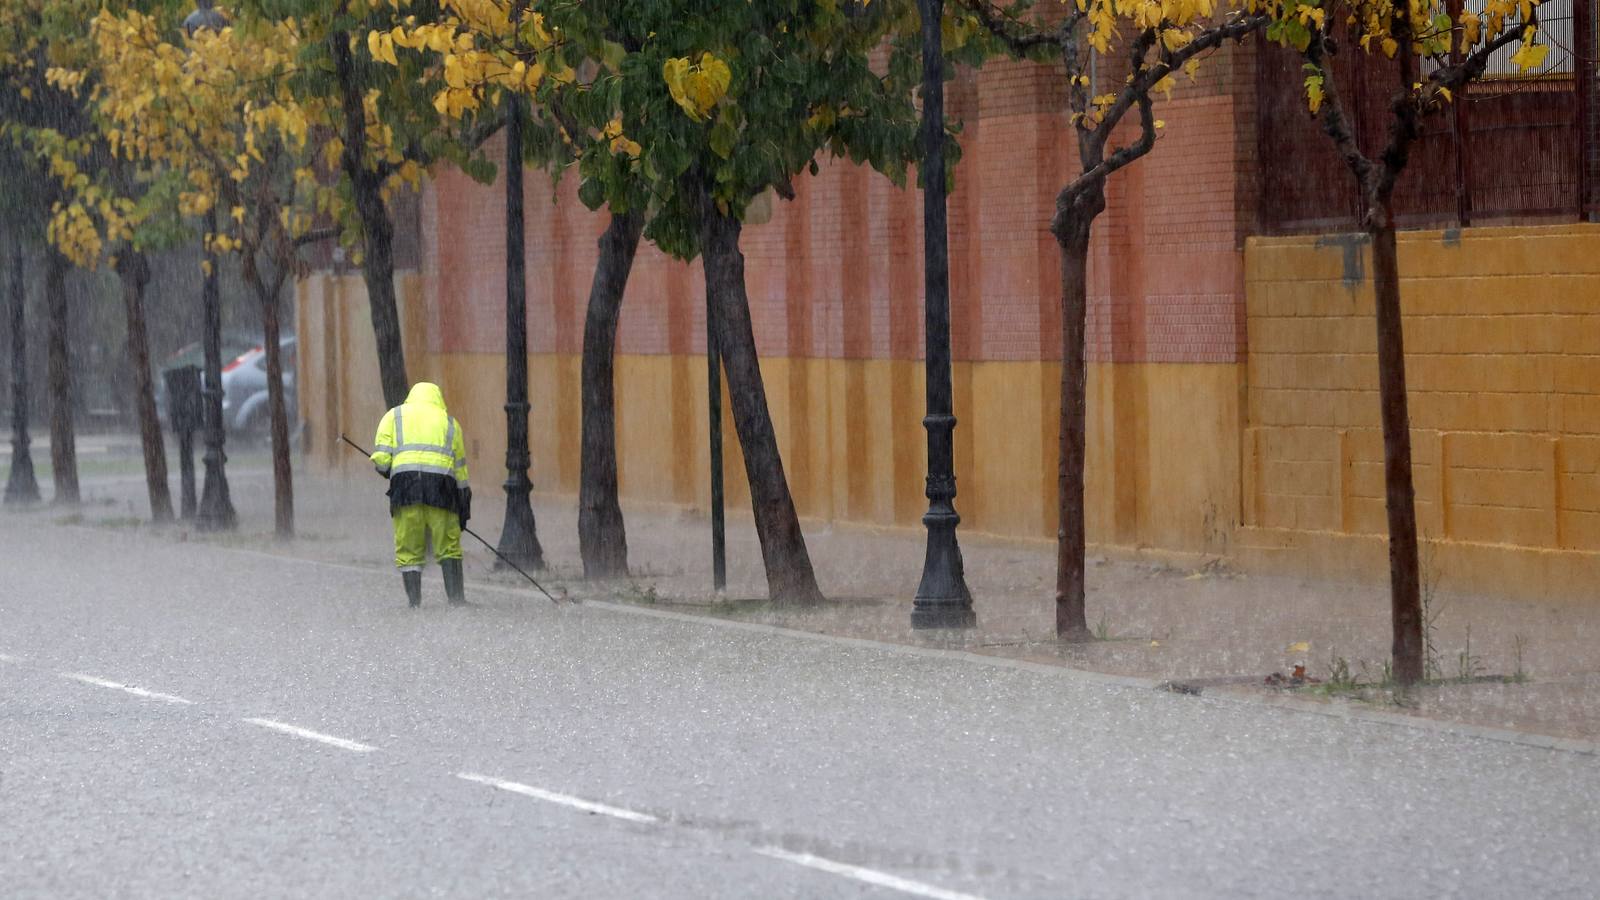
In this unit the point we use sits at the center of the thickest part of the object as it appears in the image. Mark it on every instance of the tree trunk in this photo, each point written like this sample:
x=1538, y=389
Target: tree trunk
x=1071, y=616
x=602, y=536
x=377, y=270
x=134, y=271
x=63, y=444
x=377, y=229
x=1399, y=494
x=790, y=578
x=22, y=486
x=282, y=473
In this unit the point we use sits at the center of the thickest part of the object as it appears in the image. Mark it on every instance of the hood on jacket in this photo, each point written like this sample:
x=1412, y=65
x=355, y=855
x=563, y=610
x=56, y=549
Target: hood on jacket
x=426, y=393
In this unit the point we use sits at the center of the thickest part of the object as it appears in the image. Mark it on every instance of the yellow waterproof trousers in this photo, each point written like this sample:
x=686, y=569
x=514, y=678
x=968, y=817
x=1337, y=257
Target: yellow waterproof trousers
x=414, y=526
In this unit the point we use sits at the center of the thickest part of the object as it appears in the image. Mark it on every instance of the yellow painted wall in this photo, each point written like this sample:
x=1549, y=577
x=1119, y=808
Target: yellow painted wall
x=1163, y=439
x=1502, y=331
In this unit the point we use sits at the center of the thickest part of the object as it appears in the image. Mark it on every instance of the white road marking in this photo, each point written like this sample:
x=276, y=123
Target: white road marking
x=127, y=689
x=552, y=797
x=319, y=737
x=869, y=876
x=6, y=657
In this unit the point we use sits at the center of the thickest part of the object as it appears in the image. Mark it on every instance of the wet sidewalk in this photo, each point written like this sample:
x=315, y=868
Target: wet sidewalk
x=1499, y=663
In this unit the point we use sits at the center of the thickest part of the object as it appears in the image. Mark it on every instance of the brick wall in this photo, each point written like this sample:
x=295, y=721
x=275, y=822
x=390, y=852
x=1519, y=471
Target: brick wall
x=1503, y=358
x=837, y=272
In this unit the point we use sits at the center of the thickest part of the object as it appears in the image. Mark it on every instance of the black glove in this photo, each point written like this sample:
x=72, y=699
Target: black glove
x=383, y=472
x=464, y=505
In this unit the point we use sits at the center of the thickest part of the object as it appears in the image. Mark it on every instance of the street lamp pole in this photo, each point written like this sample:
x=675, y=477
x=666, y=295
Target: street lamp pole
x=942, y=600
x=719, y=538
x=519, y=537
x=22, y=487
x=216, y=507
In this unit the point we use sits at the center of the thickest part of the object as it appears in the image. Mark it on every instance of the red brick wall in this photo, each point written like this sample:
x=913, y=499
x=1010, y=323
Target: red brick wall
x=837, y=272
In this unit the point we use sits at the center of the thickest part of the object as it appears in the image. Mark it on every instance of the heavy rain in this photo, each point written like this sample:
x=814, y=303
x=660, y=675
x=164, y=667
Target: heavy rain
x=949, y=449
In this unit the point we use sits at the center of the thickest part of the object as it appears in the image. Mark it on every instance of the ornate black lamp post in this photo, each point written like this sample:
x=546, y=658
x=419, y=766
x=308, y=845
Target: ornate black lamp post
x=942, y=599
x=22, y=488
x=216, y=507
x=519, y=537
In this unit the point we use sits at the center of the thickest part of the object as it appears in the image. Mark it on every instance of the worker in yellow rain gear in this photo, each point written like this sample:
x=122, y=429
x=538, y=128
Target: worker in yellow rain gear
x=421, y=450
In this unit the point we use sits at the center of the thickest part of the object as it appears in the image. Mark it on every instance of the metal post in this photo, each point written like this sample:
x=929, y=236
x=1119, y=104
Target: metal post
x=942, y=600
x=519, y=539
x=22, y=486
x=719, y=541
x=1583, y=72
x=1460, y=129
x=216, y=507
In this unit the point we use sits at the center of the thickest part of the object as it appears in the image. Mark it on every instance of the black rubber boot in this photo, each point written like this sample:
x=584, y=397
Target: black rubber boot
x=413, y=582
x=455, y=586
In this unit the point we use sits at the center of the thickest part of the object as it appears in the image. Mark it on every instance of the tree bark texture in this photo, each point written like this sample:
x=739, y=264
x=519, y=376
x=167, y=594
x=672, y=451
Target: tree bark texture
x=133, y=269
x=22, y=486
x=602, y=536
x=1399, y=491
x=1071, y=536
x=63, y=443
x=282, y=472
x=790, y=578
x=377, y=228
x=1376, y=181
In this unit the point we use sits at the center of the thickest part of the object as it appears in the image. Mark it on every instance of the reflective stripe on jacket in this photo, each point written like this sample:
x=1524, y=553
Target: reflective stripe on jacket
x=422, y=449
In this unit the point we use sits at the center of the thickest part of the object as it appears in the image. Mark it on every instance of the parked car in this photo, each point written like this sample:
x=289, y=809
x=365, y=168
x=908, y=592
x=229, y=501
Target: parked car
x=244, y=386
x=244, y=391
x=234, y=345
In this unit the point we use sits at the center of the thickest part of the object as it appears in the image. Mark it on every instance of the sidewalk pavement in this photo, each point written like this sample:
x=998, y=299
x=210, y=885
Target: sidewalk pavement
x=1208, y=629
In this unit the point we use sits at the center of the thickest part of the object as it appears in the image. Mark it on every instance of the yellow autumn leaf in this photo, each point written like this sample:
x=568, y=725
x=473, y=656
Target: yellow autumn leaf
x=1314, y=93
x=1390, y=45
x=698, y=87
x=1299, y=647
x=1530, y=56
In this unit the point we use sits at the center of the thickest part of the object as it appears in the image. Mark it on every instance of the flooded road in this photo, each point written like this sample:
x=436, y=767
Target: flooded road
x=186, y=719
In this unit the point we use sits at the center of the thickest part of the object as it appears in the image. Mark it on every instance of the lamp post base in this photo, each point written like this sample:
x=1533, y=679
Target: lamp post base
x=216, y=507
x=519, y=538
x=22, y=487
x=943, y=600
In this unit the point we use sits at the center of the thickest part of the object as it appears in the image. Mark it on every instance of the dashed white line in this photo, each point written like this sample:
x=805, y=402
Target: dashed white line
x=125, y=688
x=6, y=657
x=564, y=800
x=319, y=737
x=869, y=876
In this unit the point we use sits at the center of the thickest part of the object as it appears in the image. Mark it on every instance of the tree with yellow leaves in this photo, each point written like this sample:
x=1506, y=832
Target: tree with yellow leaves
x=1397, y=37
x=1144, y=45
x=384, y=132
x=215, y=109
x=43, y=122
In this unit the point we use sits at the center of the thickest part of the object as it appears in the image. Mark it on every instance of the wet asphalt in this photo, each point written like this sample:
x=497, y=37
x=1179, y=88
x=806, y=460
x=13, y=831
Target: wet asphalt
x=303, y=733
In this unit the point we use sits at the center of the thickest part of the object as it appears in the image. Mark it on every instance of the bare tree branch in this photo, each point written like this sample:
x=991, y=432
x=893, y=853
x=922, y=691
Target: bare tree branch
x=1335, y=122
x=1473, y=67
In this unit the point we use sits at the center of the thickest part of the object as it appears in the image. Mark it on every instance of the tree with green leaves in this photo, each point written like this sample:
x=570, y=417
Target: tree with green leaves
x=478, y=51
x=700, y=109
